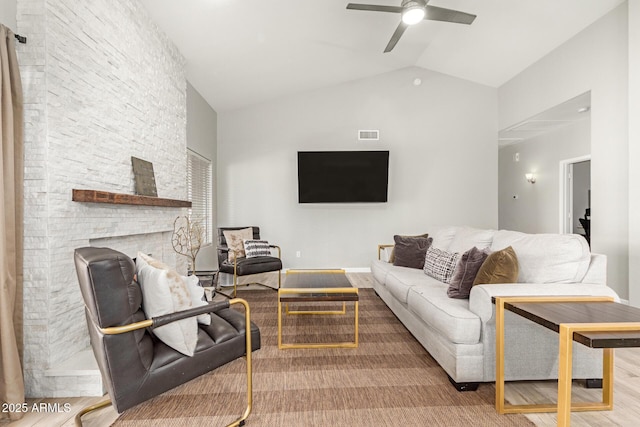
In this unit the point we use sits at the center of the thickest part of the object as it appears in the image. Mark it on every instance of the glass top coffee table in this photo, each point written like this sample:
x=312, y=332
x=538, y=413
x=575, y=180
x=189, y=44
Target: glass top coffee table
x=312, y=286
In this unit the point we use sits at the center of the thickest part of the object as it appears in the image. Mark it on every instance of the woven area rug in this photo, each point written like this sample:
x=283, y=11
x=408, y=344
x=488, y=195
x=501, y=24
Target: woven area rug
x=388, y=380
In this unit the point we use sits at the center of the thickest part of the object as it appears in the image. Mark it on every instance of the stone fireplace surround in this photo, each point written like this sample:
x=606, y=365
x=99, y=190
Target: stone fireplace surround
x=78, y=374
x=101, y=83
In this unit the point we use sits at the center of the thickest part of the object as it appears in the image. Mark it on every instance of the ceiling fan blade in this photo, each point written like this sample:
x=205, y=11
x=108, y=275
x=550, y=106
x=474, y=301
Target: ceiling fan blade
x=448, y=15
x=375, y=8
x=396, y=36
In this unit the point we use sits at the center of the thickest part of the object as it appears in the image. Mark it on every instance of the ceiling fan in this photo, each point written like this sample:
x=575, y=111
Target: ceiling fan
x=412, y=12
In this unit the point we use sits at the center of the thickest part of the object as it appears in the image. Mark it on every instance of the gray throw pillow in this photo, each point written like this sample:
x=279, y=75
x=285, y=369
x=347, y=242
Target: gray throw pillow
x=392, y=257
x=466, y=271
x=410, y=251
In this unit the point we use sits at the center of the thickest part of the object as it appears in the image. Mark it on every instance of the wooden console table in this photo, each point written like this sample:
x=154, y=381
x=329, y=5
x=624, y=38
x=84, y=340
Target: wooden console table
x=596, y=322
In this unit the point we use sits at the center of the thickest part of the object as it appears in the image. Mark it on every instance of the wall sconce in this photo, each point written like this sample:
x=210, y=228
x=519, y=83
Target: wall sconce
x=530, y=178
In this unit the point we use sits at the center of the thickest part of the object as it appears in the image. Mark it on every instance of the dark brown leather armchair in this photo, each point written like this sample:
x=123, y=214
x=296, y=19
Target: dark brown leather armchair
x=242, y=266
x=136, y=366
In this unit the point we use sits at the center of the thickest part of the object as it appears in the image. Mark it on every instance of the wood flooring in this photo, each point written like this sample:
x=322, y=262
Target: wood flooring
x=626, y=410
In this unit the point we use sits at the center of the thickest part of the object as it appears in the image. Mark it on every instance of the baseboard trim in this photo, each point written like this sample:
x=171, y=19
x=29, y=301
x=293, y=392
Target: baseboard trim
x=357, y=270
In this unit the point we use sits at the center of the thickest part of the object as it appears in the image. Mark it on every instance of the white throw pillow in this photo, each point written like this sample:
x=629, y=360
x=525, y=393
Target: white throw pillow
x=164, y=292
x=235, y=242
x=197, y=297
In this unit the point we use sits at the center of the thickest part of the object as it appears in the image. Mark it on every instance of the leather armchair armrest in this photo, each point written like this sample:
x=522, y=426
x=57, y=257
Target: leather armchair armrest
x=278, y=248
x=166, y=319
x=184, y=314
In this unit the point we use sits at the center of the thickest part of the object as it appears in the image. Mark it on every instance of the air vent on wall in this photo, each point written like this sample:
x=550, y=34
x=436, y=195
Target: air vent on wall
x=368, y=135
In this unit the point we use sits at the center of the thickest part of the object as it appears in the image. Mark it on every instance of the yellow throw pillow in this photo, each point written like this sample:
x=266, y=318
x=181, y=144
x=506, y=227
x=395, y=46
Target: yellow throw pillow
x=499, y=267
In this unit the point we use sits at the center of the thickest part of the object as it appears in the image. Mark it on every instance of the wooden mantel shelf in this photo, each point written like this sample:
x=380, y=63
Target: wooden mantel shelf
x=95, y=196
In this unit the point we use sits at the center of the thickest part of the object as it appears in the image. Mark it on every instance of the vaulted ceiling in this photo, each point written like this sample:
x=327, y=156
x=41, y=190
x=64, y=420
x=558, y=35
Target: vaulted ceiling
x=243, y=52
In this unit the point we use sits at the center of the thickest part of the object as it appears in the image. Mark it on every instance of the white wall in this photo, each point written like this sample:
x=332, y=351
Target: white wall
x=202, y=137
x=443, y=164
x=595, y=60
x=8, y=14
x=536, y=210
x=634, y=153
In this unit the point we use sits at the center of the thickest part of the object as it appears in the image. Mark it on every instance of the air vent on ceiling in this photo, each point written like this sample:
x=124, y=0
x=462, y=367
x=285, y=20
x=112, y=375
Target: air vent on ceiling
x=368, y=135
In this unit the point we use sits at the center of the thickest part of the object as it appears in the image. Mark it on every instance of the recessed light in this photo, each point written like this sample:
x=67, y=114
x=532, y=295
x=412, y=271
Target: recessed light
x=584, y=109
x=417, y=82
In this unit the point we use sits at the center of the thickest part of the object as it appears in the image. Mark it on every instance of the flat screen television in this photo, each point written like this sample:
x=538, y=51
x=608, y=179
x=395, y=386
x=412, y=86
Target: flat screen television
x=343, y=176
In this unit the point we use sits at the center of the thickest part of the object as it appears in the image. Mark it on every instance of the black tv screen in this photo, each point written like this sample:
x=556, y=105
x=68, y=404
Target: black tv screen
x=343, y=176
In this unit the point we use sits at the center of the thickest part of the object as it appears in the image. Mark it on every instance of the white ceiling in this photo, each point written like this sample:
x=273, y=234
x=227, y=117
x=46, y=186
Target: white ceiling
x=243, y=52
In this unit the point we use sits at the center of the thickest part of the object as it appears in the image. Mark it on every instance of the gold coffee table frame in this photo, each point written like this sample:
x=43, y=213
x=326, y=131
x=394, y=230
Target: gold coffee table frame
x=317, y=294
x=566, y=338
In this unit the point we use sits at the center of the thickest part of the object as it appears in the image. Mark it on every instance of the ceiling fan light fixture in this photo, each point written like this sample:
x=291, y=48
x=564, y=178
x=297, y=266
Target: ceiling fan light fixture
x=413, y=13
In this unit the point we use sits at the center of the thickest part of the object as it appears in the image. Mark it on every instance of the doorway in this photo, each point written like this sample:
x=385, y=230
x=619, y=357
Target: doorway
x=575, y=196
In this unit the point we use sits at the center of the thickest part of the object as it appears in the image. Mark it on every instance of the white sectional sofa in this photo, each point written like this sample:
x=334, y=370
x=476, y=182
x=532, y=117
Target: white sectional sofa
x=460, y=333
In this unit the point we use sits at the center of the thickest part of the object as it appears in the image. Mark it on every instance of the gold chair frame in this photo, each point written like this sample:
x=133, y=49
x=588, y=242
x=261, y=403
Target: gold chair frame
x=149, y=323
x=235, y=274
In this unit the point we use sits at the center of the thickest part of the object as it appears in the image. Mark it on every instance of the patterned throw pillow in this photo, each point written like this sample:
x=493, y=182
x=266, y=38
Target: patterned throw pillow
x=440, y=264
x=255, y=248
x=235, y=239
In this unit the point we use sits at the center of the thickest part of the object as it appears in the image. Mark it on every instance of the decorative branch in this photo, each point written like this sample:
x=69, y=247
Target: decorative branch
x=187, y=238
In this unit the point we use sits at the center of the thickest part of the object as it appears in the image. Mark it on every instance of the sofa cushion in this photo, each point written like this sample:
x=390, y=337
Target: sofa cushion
x=546, y=258
x=380, y=269
x=466, y=238
x=410, y=251
x=401, y=279
x=443, y=236
x=466, y=272
x=499, y=267
x=440, y=264
x=451, y=317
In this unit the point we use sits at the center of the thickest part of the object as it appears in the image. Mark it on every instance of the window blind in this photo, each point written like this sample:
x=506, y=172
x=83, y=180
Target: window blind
x=199, y=192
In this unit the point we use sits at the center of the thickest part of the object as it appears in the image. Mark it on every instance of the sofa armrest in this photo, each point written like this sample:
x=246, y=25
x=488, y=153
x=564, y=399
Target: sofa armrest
x=384, y=250
x=597, y=272
x=480, y=297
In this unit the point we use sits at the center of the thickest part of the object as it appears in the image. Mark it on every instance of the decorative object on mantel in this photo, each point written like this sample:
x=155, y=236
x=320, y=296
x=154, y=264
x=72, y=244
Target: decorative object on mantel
x=144, y=177
x=187, y=238
x=97, y=196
